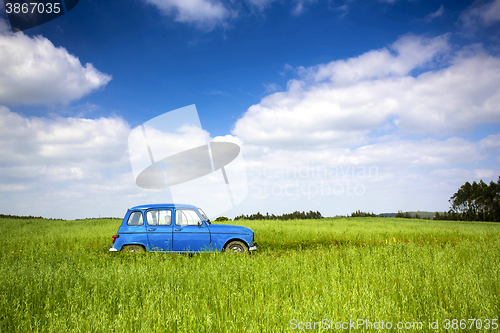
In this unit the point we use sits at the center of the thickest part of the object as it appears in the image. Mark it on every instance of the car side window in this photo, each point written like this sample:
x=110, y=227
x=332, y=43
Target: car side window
x=135, y=219
x=186, y=217
x=159, y=217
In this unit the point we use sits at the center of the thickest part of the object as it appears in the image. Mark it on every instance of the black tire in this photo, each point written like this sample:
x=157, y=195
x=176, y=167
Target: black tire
x=133, y=248
x=236, y=246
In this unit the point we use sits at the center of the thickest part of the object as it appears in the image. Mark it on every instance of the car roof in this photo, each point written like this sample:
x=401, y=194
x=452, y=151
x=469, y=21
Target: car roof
x=165, y=205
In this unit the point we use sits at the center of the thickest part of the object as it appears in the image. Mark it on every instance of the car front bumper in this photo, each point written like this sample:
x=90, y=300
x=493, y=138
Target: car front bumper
x=254, y=247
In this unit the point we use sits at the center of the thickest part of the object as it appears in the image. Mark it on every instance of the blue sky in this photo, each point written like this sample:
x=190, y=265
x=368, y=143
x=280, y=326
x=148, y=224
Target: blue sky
x=382, y=105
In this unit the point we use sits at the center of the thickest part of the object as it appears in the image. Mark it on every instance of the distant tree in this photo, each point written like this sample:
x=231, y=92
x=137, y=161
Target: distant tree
x=408, y=215
x=359, y=213
x=221, y=219
x=476, y=202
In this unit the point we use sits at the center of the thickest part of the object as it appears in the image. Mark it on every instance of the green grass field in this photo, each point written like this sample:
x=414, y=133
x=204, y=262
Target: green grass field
x=58, y=276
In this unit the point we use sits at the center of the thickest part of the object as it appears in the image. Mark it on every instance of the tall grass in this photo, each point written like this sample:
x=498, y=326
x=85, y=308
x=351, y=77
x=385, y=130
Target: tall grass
x=59, y=276
x=300, y=234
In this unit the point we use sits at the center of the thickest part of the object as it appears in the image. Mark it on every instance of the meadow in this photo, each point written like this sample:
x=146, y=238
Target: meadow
x=58, y=276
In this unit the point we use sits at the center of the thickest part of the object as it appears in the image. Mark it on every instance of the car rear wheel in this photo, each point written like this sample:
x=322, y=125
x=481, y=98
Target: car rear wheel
x=236, y=246
x=133, y=248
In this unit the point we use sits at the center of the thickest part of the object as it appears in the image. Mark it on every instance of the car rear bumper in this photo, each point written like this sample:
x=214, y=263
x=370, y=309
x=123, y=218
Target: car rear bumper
x=254, y=247
x=112, y=249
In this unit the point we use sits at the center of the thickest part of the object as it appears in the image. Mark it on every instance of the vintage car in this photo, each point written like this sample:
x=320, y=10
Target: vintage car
x=178, y=228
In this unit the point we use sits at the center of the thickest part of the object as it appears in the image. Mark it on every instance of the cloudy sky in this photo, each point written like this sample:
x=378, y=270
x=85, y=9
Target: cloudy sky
x=338, y=105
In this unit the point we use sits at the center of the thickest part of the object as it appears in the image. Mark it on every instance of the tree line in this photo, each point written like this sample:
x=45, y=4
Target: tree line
x=291, y=216
x=18, y=217
x=405, y=215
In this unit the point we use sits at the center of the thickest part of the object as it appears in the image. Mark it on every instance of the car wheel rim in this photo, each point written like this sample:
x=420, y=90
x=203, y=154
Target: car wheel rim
x=236, y=248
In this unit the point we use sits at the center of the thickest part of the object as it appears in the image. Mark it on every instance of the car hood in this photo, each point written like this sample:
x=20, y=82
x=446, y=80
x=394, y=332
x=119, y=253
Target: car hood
x=230, y=229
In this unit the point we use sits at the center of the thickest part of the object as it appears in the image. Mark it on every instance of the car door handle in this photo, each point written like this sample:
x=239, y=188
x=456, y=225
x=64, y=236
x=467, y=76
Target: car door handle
x=177, y=229
x=152, y=229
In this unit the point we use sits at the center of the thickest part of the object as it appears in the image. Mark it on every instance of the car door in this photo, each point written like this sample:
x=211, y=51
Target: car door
x=190, y=232
x=159, y=229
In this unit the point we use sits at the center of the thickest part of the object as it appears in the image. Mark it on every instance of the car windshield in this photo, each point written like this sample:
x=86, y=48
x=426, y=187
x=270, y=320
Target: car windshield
x=204, y=215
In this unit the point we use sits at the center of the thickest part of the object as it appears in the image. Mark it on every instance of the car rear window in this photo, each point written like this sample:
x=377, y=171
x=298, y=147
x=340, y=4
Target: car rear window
x=135, y=219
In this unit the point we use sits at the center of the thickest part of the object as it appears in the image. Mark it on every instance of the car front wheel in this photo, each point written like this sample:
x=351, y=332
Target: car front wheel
x=236, y=246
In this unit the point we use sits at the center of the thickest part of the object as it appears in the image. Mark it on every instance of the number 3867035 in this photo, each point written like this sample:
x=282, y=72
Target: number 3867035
x=33, y=7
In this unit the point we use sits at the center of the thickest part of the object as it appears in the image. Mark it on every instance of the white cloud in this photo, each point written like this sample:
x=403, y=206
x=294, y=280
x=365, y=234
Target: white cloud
x=300, y=6
x=401, y=154
x=341, y=103
x=460, y=176
x=399, y=59
x=328, y=118
x=491, y=142
x=385, y=176
x=260, y=4
x=484, y=173
x=271, y=87
x=77, y=167
x=338, y=137
x=205, y=14
x=64, y=141
x=436, y=14
x=209, y=14
x=34, y=71
x=481, y=12
x=4, y=26
x=343, y=9
x=65, y=167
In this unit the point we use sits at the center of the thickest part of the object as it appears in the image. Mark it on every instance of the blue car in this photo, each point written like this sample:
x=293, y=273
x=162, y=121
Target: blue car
x=178, y=228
